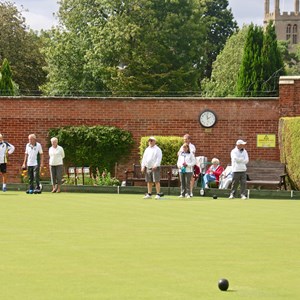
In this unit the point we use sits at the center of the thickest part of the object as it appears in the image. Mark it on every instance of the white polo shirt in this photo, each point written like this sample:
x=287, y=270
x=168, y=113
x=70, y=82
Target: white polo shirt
x=4, y=149
x=32, y=152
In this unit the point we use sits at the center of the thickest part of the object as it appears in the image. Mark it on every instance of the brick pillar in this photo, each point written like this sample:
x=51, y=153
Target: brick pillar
x=289, y=96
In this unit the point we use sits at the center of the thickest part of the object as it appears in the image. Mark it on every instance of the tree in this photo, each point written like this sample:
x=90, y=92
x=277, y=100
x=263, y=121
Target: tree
x=134, y=47
x=158, y=42
x=226, y=67
x=221, y=26
x=272, y=66
x=249, y=77
x=22, y=48
x=6, y=83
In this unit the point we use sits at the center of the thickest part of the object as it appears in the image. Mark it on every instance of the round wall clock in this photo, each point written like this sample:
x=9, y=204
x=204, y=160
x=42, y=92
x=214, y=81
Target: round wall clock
x=207, y=118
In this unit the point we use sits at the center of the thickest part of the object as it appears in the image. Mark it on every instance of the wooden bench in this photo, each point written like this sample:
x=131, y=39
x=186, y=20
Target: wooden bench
x=168, y=175
x=266, y=174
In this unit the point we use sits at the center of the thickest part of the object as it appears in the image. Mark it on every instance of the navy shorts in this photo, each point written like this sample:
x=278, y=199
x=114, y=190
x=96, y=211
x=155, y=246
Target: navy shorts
x=3, y=168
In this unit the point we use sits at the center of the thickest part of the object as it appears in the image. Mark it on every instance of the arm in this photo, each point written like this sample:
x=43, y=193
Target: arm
x=25, y=160
x=158, y=158
x=11, y=148
x=41, y=160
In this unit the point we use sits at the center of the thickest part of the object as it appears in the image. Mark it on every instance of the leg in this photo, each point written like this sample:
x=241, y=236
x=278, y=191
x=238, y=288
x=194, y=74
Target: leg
x=36, y=175
x=149, y=187
x=30, y=171
x=192, y=185
x=243, y=181
x=157, y=186
x=59, y=174
x=182, y=184
x=235, y=183
x=53, y=181
x=188, y=183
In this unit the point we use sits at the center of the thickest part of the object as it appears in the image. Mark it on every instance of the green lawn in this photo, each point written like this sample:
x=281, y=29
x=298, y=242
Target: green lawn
x=104, y=246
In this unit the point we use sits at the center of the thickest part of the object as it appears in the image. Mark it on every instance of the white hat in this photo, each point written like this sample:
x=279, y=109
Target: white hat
x=152, y=138
x=241, y=142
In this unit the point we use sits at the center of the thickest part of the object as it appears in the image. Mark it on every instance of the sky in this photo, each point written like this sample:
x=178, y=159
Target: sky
x=40, y=14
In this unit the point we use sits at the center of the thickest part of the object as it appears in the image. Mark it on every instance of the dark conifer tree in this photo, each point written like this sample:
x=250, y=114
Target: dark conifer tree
x=272, y=63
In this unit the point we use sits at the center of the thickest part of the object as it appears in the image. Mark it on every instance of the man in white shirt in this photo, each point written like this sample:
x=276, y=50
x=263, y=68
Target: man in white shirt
x=151, y=167
x=5, y=150
x=35, y=161
x=239, y=160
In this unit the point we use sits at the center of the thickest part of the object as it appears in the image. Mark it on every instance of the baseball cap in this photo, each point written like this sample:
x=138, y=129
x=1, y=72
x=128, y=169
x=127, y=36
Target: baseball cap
x=241, y=142
x=152, y=138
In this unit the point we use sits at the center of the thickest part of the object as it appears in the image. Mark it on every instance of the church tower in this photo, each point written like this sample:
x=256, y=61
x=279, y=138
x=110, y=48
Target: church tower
x=287, y=24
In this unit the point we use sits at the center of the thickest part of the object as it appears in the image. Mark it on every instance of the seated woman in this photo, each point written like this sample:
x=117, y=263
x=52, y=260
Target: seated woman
x=226, y=178
x=213, y=173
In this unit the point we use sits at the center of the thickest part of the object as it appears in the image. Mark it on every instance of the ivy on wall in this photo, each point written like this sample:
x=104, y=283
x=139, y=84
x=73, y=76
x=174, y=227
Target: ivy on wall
x=98, y=147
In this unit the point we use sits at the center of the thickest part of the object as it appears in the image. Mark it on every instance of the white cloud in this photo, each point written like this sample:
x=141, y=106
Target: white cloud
x=40, y=14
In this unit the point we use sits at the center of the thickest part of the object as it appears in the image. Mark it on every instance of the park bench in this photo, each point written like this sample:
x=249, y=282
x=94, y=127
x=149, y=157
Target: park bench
x=266, y=174
x=168, y=175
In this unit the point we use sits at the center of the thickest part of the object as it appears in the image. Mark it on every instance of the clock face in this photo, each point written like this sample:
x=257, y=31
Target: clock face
x=207, y=118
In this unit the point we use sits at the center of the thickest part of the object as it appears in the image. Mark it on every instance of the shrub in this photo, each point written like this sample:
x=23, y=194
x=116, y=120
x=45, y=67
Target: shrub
x=98, y=147
x=169, y=146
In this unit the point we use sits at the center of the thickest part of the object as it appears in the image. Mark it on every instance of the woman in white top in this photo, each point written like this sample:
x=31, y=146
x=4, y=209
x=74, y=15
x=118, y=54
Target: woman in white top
x=56, y=156
x=185, y=163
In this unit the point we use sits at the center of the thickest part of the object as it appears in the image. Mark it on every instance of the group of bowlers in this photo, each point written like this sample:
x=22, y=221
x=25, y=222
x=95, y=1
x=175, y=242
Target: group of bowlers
x=150, y=166
x=33, y=162
x=33, y=159
x=189, y=171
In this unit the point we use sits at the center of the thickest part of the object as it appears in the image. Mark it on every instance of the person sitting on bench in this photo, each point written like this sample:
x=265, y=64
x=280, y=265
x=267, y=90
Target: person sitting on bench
x=213, y=173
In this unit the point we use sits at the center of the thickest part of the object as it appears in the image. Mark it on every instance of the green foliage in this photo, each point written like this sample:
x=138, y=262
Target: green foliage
x=272, y=66
x=135, y=47
x=169, y=146
x=6, y=83
x=291, y=59
x=22, y=49
x=289, y=143
x=225, y=69
x=98, y=147
x=249, y=65
x=101, y=179
x=261, y=64
x=221, y=26
x=249, y=81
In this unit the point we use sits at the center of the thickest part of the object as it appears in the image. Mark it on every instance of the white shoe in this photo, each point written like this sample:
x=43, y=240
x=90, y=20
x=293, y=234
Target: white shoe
x=147, y=196
x=231, y=197
x=157, y=197
x=191, y=195
x=243, y=197
x=188, y=196
x=180, y=196
x=206, y=186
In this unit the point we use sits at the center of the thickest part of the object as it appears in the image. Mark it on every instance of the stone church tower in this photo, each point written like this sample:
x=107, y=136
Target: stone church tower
x=287, y=24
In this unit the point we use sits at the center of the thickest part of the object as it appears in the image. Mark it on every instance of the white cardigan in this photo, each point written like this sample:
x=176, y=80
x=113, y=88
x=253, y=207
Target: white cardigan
x=187, y=158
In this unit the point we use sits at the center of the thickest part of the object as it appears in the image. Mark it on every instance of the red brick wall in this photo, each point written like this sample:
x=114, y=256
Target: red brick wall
x=237, y=118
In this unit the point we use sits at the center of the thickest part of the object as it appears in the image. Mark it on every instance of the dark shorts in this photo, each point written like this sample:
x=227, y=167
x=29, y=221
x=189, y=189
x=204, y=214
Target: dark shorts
x=3, y=168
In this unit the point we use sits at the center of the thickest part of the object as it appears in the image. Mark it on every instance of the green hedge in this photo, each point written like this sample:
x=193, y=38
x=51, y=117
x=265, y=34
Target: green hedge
x=96, y=147
x=169, y=146
x=289, y=144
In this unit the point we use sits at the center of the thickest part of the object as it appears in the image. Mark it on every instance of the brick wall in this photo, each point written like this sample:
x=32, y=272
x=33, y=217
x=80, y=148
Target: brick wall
x=236, y=118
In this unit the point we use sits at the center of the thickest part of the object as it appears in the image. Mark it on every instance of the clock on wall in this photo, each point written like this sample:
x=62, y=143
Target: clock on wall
x=207, y=118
